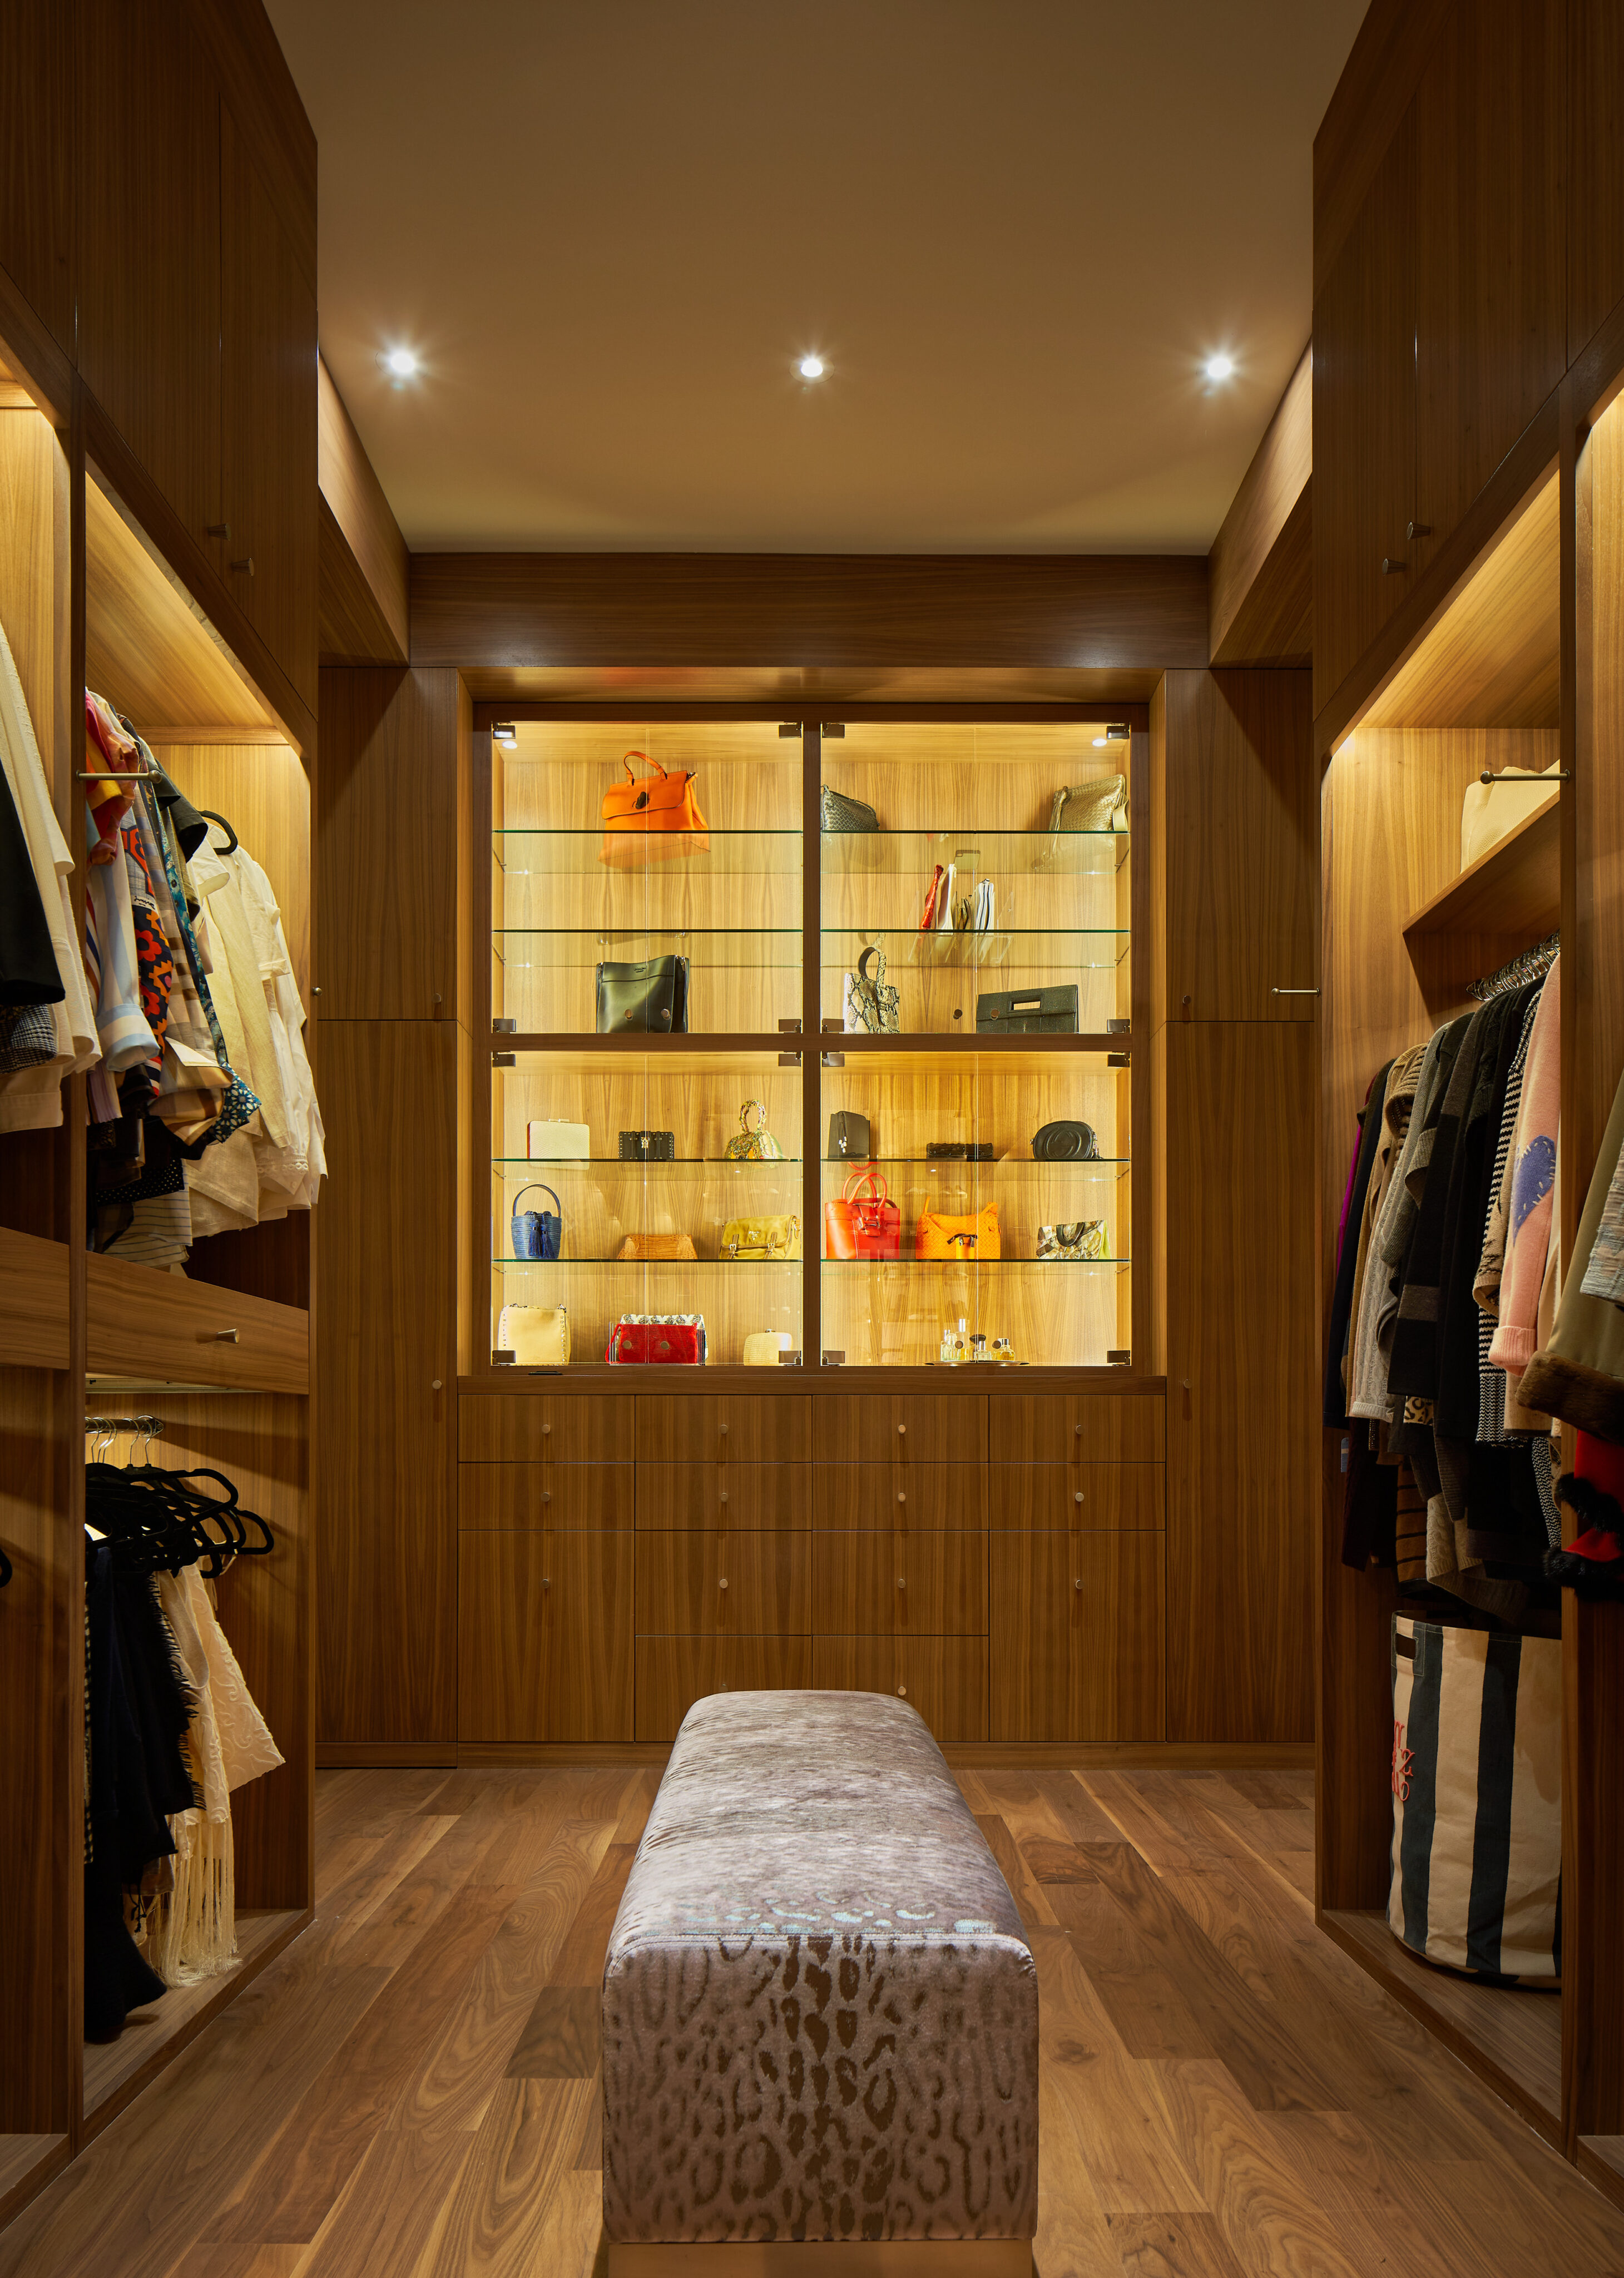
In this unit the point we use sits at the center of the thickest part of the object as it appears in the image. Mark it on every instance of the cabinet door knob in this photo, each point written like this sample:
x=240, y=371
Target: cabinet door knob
x=547, y=1494
x=1078, y=1497
x=1077, y=1431
x=434, y=1386
x=901, y=1496
x=546, y=1428
x=724, y=1496
x=724, y=1431
x=901, y=1693
x=723, y=1584
x=245, y=567
x=546, y=1581
x=217, y=1337
x=901, y=1581
x=217, y=530
x=1418, y=530
x=1391, y=564
x=1077, y=1584
x=902, y=1431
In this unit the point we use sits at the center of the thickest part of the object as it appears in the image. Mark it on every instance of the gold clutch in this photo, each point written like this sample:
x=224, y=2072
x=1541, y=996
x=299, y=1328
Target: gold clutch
x=657, y=1248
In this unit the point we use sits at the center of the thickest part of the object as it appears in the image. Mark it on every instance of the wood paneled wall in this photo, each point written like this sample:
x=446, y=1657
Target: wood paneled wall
x=363, y=560
x=1260, y=571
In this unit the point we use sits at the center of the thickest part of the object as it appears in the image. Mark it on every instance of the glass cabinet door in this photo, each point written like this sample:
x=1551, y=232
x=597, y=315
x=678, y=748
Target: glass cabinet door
x=615, y=846
x=949, y=1235
x=660, y=1190
x=980, y=873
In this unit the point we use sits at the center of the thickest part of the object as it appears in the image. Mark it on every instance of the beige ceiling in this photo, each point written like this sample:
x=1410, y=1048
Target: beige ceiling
x=1013, y=228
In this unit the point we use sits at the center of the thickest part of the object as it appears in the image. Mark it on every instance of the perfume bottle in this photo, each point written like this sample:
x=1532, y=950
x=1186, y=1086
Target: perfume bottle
x=978, y=1346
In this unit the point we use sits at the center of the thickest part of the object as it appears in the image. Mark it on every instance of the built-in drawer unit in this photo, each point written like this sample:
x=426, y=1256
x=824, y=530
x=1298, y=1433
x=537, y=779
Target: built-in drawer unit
x=724, y=1427
x=1067, y=1427
x=1077, y=1496
x=900, y=1493
x=545, y=1495
x=728, y=1495
x=1075, y=1636
x=700, y=1584
x=883, y=1582
x=873, y=1427
x=510, y=1428
x=674, y=1672
x=543, y=1627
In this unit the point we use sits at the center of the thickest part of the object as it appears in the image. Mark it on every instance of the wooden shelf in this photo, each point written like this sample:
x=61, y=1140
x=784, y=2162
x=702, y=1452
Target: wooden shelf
x=145, y=1325
x=34, y=1300
x=1515, y=888
x=115, y=2071
x=1511, y=2036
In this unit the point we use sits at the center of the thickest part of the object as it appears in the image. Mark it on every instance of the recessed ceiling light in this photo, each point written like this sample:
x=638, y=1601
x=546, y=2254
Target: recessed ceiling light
x=400, y=364
x=1098, y=740
x=810, y=367
x=1219, y=367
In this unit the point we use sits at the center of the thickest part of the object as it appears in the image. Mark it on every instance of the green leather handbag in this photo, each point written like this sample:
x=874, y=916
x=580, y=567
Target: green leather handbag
x=650, y=999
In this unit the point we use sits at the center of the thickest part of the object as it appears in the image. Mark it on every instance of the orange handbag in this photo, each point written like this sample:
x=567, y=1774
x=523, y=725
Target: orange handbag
x=937, y=1236
x=864, y=1222
x=645, y=820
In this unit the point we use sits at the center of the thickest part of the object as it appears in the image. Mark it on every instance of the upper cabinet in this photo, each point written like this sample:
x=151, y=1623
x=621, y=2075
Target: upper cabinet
x=1490, y=297
x=1594, y=166
x=36, y=159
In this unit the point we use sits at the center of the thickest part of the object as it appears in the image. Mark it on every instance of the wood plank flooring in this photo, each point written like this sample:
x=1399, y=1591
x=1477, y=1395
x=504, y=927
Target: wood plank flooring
x=412, y=2088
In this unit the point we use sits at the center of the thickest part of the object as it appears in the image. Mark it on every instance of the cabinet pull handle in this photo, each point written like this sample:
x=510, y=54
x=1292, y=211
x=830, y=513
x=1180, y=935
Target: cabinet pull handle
x=1418, y=530
x=723, y=1584
x=1293, y=992
x=245, y=567
x=1391, y=565
x=217, y=530
x=901, y=1431
x=1077, y=1431
x=547, y=1494
x=1078, y=1497
x=546, y=1581
x=434, y=1386
x=1077, y=1584
x=216, y=1336
x=901, y=1581
x=724, y=1429
x=546, y=1428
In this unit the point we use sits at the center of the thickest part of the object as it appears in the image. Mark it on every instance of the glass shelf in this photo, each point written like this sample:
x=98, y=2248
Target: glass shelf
x=973, y=1265
x=1055, y=947
x=512, y=1166
x=553, y=948
x=643, y=1264
x=532, y=853
x=1008, y=853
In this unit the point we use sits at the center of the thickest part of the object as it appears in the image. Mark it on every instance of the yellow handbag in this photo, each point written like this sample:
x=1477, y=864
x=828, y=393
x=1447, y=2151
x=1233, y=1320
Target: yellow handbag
x=938, y=1236
x=760, y=1237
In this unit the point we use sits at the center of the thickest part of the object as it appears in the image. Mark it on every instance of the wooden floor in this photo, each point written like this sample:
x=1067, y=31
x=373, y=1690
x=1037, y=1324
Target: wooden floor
x=411, y=2090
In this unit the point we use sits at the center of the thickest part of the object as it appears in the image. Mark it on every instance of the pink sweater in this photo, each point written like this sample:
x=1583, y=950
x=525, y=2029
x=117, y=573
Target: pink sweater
x=1531, y=1171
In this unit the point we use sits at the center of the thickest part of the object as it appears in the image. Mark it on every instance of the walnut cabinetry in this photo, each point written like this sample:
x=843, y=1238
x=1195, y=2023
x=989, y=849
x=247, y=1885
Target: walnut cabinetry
x=705, y=1550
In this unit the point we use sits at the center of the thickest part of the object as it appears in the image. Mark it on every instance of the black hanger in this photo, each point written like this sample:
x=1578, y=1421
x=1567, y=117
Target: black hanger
x=5, y=1570
x=210, y=816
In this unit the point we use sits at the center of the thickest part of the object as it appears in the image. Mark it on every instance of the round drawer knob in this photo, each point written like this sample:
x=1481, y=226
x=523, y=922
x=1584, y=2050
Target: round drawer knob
x=724, y=1496
x=901, y=1581
x=902, y=1431
x=1078, y=1497
x=1077, y=1584
x=724, y=1431
x=722, y=1688
x=901, y=1693
x=547, y=1494
x=901, y=1496
x=724, y=1583
x=546, y=1429
x=546, y=1581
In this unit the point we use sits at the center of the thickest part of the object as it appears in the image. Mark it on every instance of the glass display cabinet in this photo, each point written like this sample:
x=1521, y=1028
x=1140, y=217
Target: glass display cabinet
x=860, y=1099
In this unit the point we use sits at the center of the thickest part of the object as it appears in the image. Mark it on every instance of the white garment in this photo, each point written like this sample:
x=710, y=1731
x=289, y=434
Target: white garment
x=31, y=1099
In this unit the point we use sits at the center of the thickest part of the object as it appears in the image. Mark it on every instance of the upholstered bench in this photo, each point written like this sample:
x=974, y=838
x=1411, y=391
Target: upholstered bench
x=820, y=2016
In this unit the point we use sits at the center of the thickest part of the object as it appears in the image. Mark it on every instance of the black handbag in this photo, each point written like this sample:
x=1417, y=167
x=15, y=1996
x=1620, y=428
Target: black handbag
x=650, y=999
x=1028, y=1012
x=1065, y=1143
x=851, y=1137
x=648, y=1147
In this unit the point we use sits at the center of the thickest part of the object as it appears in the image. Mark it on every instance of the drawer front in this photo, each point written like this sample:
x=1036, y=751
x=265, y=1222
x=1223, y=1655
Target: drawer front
x=673, y=1672
x=1075, y=1636
x=506, y=1428
x=731, y=1427
x=875, y=1427
x=890, y=1584
x=1067, y=1427
x=945, y=1678
x=542, y=1494
x=543, y=1636
x=744, y=1495
x=712, y=1585
x=898, y=1493
x=1120, y=1497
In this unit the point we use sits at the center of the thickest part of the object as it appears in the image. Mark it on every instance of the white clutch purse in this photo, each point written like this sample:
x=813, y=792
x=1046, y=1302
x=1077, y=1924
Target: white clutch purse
x=537, y=1336
x=555, y=1140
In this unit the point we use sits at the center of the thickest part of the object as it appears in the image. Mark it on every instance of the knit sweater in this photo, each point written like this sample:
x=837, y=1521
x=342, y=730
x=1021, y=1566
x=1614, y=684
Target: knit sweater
x=1532, y=1174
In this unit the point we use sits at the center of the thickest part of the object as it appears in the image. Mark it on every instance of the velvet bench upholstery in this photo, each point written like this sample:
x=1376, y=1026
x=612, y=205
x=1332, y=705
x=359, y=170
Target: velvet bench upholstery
x=820, y=2014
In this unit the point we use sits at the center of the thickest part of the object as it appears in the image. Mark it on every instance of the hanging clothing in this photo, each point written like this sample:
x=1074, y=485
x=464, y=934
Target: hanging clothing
x=1525, y=1199
x=1367, y=1146
x=28, y=970
x=1578, y=1374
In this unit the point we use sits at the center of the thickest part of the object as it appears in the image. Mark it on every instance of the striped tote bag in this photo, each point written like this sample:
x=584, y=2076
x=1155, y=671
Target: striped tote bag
x=1477, y=1808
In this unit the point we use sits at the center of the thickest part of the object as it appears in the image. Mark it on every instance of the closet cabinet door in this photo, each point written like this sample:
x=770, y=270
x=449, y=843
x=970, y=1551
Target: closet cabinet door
x=712, y=1585
x=894, y=1584
x=386, y=1323
x=765, y=1496
x=1075, y=1641
x=943, y=1678
x=545, y=1637
x=900, y=1493
x=40, y=159
x=1029, y=1635
x=1594, y=166
x=1364, y=423
x=150, y=246
x=1490, y=289
x=674, y=1672
x=268, y=433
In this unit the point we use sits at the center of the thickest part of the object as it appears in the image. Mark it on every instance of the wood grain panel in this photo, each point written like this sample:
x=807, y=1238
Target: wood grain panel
x=1259, y=569
x=915, y=1497
x=1051, y=1427
x=148, y=316
x=138, y=1321
x=1099, y=1497
x=501, y=1428
x=572, y=1496
x=674, y=1672
x=264, y=791
x=42, y=1713
x=1515, y=888
x=1364, y=421
x=883, y=1582
x=771, y=1497
x=364, y=559
x=386, y=1637
x=713, y=1585
x=514, y=610
x=1490, y=659
x=39, y=159
x=1242, y=846
x=268, y=458
x=1594, y=167
x=943, y=1678
x=902, y=1428
x=1241, y=1311
x=722, y=1428
x=387, y=929
x=544, y=1631
x=1490, y=225
x=34, y=1300
x=1389, y=54
x=1075, y=1637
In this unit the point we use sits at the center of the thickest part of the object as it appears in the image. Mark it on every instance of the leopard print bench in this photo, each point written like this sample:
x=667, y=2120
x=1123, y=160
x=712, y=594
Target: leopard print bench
x=820, y=2014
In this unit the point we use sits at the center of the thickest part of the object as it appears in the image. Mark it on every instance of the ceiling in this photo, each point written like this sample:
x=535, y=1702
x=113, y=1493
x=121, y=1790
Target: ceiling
x=1013, y=228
